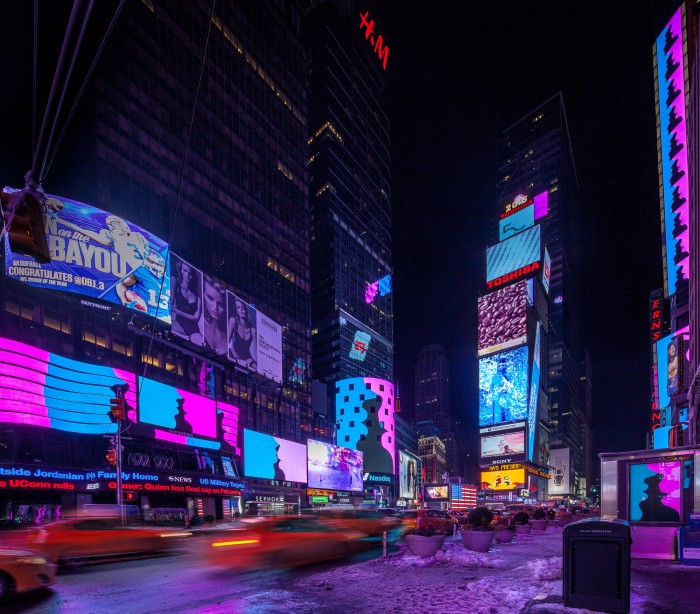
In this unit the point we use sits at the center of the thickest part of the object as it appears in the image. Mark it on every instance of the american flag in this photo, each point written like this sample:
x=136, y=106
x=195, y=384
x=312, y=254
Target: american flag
x=463, y=496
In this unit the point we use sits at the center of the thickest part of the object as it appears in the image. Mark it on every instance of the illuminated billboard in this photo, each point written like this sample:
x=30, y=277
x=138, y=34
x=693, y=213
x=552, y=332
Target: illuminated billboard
x=513, y=258
x=333, y=467
x=436, y=491
x=99, y=255
x=365, y=421
x=408, y=476
x=541, y=205
x=503, y=479
x=560, y=462
x=273, y=458
x=502, y=318
x=671, y=366
x=546, y=271
x=534, y=393
x=360, y=345
x=503, y=387
x=208, y=315
x=671, y=84
x=655, y=492
x=39, y=388
x=381, y=287
x=187, y=418
x=511, y=444
x=516, y=222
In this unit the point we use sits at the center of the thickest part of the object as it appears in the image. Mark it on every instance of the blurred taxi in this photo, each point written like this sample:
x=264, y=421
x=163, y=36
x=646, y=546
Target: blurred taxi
x=436, y=519
x=79, y=540
x=24, y=570
x=280, y=541
x=363, y=521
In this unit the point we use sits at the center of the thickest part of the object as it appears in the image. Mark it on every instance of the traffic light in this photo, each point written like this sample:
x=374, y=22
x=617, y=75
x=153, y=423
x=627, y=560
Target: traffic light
x=111, y=456
x=24, y=221
x=116, y=409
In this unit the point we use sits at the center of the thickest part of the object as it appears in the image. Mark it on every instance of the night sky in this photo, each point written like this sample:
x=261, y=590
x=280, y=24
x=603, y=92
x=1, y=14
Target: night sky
x=459, y=73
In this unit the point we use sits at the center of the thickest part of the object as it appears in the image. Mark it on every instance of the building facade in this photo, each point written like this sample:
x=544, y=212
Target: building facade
x=187, y=162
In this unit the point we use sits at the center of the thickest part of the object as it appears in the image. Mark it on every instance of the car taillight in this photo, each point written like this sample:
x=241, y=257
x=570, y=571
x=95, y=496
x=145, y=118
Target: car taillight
x=235, y=542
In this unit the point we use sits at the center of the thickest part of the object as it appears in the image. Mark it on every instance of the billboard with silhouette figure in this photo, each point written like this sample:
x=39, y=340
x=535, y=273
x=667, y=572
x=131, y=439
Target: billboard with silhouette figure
x=656, y=492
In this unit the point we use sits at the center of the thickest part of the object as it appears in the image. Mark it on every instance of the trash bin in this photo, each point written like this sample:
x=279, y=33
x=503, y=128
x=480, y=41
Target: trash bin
x=689, y=541
x=597, y=565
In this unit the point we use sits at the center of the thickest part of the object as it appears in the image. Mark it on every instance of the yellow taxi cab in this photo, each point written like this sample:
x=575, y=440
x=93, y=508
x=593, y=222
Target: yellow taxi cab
x=24, y=570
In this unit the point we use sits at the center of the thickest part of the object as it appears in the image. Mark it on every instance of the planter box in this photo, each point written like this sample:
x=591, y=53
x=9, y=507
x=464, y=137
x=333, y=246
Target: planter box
x=522, y=529
x=479, y=541
x=504, y=537
x=539, y=525
x=420, y=545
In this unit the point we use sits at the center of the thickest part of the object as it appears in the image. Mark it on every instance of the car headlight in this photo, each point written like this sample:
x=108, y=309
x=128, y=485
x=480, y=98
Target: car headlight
x=32, y=560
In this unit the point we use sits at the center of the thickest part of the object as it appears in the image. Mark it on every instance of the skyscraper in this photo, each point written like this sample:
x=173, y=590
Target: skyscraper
x=536, y=162
x=352, y=305
x=432, y=398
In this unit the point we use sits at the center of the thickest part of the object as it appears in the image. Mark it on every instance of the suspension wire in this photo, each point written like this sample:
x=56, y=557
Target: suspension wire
x=179, y=186
x=82, y=87
x=35, y=61
x=71, y=43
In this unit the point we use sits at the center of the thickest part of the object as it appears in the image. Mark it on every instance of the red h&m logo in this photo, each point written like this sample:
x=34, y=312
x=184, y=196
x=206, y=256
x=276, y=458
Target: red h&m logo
x=376, y=41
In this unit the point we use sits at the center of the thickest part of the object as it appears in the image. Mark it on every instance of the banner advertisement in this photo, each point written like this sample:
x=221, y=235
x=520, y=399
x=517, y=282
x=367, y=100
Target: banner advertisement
x=269, y=348
x=561, y=469
x=98, y=255
x=408, y=476
x=186, y=306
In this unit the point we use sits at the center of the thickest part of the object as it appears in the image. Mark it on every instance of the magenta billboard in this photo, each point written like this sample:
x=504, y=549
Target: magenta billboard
x=671, y=79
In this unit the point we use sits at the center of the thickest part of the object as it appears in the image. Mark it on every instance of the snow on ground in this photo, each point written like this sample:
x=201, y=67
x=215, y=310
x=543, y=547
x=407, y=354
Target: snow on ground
x=523, y=576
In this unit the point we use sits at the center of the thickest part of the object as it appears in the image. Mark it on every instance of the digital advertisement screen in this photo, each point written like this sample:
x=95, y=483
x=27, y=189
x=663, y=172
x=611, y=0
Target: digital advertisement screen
x=39, y=388
x=547, y=270
x=671, y=90
x=667, y=372
x=408, y=476
x=333, y=467
x=365, y=421
x=503, y=318
x=436, y=491
x=186, y=418
x=269, y=348
x=507, y=444
x=513, y=253
x=503, y=479
x=534, y=394
x=381, y=287
x=273, y=458
x=517, y=222
x=655, y=492
x=99, y=255
x=503, y=387
x=360, y=345
x=541, y=205
x=561, y=470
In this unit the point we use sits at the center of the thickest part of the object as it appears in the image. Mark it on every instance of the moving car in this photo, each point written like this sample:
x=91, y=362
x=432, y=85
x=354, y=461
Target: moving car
x=279, y=541
x=24, y=570
x=436, y=519
x=363, y=521
x=76, y=541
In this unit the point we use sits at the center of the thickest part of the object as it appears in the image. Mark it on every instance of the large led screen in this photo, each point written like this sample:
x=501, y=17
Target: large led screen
x=559, y=461
x=40, y=388
x=408, y=476
x=511, y=445
x=516, y=222
x=655, y=492
x=434, y=491
x=187, y=418
x=503, y=479
x=365, y=421
x=333, y=467
x=534, y=393
x=502, y=318
x=503, y=387
x=100, y=255
x=273, y=458
x=671, y=88
x=512, y=254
